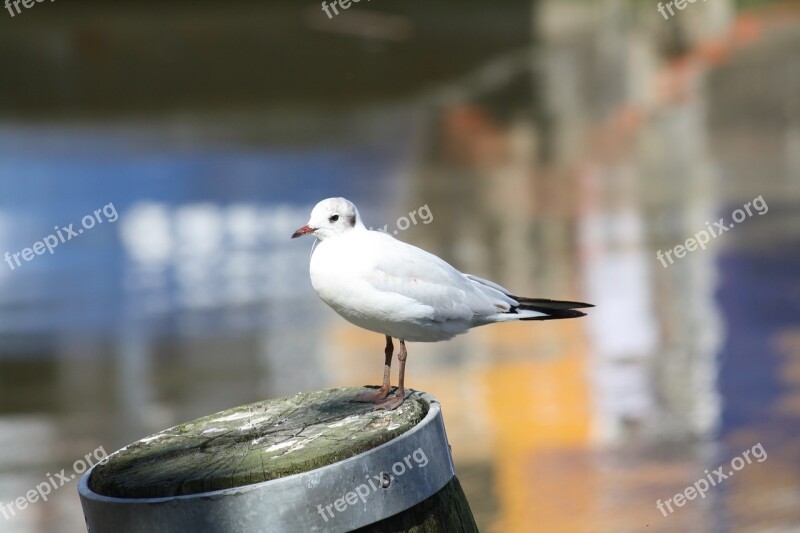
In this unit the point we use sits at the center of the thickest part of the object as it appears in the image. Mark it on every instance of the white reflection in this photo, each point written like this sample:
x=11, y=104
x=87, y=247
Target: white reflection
x=146, y=235
x=242, y=222
x=199, y=230
x=203, y=256
x=622, y=328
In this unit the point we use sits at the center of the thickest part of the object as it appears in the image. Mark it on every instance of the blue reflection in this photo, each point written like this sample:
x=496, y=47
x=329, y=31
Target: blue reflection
x=202, y=227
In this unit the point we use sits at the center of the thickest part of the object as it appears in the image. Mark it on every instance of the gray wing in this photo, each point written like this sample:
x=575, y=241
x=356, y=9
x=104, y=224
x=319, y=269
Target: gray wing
x=413, y=273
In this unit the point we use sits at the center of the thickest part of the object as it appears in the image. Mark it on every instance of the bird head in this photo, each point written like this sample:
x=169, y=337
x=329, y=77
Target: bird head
x=330, y=218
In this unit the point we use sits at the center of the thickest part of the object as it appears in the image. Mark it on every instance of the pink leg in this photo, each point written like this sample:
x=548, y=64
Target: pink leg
x=375, y=396
x=396, y=400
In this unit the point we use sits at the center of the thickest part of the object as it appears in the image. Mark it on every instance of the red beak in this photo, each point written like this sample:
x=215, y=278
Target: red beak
x=305, y=230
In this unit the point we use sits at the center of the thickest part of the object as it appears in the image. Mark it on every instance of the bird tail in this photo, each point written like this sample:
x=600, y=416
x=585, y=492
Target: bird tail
x=543, y=309
x=522, y=308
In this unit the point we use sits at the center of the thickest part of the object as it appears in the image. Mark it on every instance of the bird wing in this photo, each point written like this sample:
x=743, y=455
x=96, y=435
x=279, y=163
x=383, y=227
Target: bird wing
x=413, y=273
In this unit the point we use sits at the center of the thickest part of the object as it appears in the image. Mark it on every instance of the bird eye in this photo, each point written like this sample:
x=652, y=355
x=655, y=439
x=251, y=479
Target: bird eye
x=334, y=218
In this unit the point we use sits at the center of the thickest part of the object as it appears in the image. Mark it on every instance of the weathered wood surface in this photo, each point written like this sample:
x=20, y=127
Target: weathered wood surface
x=253, y=443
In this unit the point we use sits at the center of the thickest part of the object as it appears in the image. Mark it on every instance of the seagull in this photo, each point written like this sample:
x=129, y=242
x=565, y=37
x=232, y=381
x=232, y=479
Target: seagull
x=390, y=287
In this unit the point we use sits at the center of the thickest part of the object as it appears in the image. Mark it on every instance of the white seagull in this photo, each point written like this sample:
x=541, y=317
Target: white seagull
x=385, y=285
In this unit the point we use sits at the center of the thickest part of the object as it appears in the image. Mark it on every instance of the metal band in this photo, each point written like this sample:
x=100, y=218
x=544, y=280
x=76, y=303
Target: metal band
x=368, y=488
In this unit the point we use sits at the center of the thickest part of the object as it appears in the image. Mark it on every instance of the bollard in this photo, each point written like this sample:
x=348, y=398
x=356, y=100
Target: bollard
x=311, y=462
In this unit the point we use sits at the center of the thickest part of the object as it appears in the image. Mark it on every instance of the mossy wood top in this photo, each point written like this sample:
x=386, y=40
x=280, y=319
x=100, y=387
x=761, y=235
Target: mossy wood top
x=253, y=443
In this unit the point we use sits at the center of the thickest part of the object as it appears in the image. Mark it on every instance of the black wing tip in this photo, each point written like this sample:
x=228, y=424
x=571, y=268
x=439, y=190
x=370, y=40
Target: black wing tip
x=549, y=304
x=556, y=315
x=550, y=309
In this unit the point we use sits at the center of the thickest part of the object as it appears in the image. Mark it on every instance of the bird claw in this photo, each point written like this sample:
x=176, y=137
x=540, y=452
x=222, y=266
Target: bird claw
x=371, y=396
x=390, y=403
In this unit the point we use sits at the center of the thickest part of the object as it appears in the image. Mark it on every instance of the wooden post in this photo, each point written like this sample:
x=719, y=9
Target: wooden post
x=312, y=462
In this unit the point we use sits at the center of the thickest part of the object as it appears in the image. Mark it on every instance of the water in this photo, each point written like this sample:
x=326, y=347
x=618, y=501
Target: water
x=195, y=299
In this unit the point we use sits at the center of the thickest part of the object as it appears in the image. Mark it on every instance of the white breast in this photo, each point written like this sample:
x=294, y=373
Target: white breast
x=344, y=274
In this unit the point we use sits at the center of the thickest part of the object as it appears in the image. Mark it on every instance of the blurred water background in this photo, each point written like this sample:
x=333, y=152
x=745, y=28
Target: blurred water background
x=558, y=146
